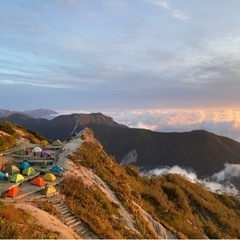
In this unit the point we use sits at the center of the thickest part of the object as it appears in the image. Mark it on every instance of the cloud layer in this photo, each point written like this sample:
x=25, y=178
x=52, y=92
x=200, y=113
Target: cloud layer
x=214, y=186
x=112, y=55
x=225, y=122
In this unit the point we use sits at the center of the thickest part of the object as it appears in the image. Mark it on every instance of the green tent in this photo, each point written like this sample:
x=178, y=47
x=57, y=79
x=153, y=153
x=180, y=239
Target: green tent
x=17, y=178
x=21, y=152
x=28, y=171
x=49, y=190
x=12, y=169
x=44, y=164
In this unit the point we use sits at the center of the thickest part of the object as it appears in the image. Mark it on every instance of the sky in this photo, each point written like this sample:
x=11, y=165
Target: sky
x=161, y=64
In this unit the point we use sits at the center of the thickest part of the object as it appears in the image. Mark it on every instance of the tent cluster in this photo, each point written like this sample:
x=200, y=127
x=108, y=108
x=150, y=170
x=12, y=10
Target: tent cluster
x=25, y=169
x=38, y=149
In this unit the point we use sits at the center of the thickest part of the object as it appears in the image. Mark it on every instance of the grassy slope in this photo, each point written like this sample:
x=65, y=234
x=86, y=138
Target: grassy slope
x=12, y=132
x=187, y=209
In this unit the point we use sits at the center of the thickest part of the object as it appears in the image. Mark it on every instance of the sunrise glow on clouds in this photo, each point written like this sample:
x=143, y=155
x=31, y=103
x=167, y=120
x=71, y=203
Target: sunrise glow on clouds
x=224, y=122
x=155, y=64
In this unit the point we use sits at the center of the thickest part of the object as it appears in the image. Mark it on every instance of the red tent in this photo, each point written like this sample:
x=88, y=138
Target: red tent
x=38, y=181
x=12, y=192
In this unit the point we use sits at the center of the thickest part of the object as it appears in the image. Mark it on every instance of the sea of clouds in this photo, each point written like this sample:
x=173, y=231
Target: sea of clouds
x=224, y=122
x=218, y=182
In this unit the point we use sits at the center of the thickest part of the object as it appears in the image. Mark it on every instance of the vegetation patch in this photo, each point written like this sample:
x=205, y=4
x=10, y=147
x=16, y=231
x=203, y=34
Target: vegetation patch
x=48, y=207
x=17, y=224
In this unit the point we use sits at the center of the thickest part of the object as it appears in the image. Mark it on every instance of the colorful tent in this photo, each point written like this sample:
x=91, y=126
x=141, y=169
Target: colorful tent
x=44, y=143
x=21, y=152
x=2, y=176
x=12, y=192
x=45, y=153
x=49, y=177
x=37, y=150
x=38, y=181
x=28, y=171
x=17, y=178
x=25, y=164
x=49, y=190
x=11, y=169
x=57, y=143
x=56, y=168
x=44, y=164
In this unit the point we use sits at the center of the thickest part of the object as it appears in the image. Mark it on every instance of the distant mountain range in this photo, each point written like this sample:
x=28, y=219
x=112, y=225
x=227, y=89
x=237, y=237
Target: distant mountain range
x=204, y=152
x=37, y=113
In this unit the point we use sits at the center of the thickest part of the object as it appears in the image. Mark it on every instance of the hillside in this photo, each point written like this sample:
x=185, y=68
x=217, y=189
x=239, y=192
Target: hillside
x=116, y=201
x=12, y=135
x=170, y=203
x=200, y=150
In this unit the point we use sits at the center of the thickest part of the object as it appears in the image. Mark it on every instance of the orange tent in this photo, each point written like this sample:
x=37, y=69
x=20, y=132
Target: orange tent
x=12, y=192
x=44, y=143
x=38, y=181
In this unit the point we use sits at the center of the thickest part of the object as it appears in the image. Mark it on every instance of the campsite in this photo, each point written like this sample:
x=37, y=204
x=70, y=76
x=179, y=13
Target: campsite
x=32, y=169
x=35, y=178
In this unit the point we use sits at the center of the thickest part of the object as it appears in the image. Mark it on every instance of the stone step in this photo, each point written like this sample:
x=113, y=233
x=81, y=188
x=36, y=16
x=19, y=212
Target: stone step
x=70, y=221
x=70, y=217
x=62, y=207
x=74, y=224
x=68, y=214
x=80, y=230
x=64, y=211
x=56, y=201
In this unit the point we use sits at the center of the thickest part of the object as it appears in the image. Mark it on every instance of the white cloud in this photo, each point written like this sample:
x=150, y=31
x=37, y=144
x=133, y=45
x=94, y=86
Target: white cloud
x=225, y=122
x=165, y=5
x=191, y=176
x=179, y=14
x=230, y=171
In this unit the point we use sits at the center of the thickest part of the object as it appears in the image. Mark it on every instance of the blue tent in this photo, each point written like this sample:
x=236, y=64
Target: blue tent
x=25, y=164
x=56, y=168
x=2, y=176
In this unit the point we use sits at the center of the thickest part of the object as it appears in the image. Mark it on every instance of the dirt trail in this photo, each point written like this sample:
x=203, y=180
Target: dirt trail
x=48, y=221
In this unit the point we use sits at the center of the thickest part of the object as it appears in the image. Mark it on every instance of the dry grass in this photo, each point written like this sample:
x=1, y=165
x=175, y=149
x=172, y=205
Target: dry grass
x=185, y=208
x=17, y=224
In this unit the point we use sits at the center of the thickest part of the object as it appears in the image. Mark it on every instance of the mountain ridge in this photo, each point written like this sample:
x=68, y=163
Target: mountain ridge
x=37, y=113
x=204, y=152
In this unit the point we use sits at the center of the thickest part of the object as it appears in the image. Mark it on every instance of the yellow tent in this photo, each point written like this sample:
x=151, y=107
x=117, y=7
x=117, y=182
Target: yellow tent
x=49, y=177
x=17, y=178
x=49, y=190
